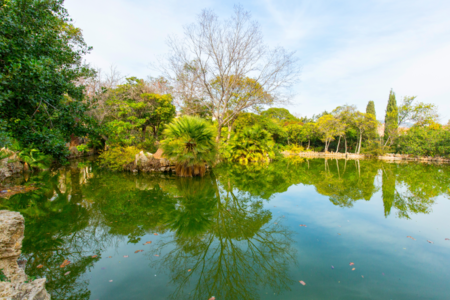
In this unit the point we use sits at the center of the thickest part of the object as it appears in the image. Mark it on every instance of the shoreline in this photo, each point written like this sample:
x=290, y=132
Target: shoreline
x=353, y=156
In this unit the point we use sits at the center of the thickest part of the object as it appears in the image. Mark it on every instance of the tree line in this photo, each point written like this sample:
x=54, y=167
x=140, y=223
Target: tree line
x=220, y=78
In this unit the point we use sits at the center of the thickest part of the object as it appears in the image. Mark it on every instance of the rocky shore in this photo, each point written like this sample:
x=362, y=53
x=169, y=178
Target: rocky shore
x=18, y=286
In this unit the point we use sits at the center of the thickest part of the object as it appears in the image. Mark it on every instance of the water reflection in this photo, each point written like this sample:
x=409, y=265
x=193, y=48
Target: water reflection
x=216, y=226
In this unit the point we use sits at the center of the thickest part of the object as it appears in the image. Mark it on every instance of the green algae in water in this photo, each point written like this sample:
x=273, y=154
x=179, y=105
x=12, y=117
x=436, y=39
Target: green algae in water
x=236, y=234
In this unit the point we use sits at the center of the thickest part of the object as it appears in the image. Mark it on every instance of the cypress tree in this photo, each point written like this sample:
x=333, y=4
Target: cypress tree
x=391, y=118
x=370, y=109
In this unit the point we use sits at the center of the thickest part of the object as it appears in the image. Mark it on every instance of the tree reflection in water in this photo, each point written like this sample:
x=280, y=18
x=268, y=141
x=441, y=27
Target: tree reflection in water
x=228, y=245
x=217, y=225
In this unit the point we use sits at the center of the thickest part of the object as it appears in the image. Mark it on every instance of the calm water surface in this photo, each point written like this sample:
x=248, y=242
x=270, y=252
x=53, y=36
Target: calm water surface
x=237, y=234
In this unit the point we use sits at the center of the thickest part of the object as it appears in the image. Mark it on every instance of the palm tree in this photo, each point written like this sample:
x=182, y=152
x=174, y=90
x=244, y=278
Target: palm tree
x=189, y=142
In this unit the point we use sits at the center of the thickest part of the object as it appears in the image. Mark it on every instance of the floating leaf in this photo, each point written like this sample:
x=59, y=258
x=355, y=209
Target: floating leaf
x=65, y=263
x=351, y=264
x=382, y=274
x=94, y=256
x=410, y=237
x=111, y=280
x=332, y=267
x=447, y=239
x=430, y=242
x=40, y=266
x=156, y=255
x=67, y=273
x=362, y=276
x=125, y=256
x=189, y=270
x=155, y=234
x=149, y=242
x=212, y=298
x=302, y=225
x=353, y=269
x=109, y=256
x=302, y=282
x=137, y=251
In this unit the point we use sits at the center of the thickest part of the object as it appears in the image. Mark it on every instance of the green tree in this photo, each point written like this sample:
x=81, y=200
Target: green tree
x=391, y=118
x=363, y=123
x=41, y=55
x=370, y=109
x=189, y=142
x=280, y=114
x=420, y=113
x=327, y=126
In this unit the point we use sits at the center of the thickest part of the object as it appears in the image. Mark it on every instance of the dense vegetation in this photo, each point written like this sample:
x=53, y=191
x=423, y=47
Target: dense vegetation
x=49, y=98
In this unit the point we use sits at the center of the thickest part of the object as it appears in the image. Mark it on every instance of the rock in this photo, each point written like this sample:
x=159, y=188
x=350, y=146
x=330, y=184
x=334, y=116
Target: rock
x=11, y=235
x=11, y=165
x=158, y=154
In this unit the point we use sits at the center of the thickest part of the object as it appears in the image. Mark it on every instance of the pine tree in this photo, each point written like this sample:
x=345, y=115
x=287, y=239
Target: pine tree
x=370, y=109
x=391, y=118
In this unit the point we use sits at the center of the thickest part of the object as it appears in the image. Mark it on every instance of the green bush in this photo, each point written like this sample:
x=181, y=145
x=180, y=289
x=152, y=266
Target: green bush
x=35, y=159
x=117, y=157
x=189, y=142
x=250, y=145
x=425, y=141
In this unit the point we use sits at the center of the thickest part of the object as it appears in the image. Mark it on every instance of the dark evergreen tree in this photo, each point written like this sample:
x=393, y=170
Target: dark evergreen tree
x=391, y=118
x=370, y=109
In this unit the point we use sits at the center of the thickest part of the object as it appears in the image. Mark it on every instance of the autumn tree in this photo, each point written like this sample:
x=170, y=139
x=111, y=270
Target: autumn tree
x=226, y=57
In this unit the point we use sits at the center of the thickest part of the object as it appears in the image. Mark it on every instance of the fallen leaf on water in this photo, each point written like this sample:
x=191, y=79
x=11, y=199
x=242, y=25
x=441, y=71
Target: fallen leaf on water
x=94, y=256
x=332, y=267
x=362, y=276
x=302, y=282
x=430, y=242
x=411, y=237
x=125, y=256
x=212, y=298
x=65, y=263
x=40, y=266
x=103, y=268
x=382, y=274
x=137, y=251
x=275, y=223
x=302, y=225
x=67, y=273
x=110, y=280
x=189, y=270
x=155, y=234
x=339, y=233
x=447, y=239
x=353, y=269
x=109, y=256
x=156, y=255
x=351, y=264
x=149, y=242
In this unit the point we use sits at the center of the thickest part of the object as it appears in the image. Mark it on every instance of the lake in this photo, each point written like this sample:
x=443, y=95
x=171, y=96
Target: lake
x=293, y=229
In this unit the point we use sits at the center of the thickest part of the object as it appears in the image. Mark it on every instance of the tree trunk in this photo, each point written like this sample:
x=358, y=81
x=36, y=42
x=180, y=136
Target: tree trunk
x=230, y=128
x=219, y=132
x=345, y=139
x=339, y=142
x=360, y=141
x=309, y=143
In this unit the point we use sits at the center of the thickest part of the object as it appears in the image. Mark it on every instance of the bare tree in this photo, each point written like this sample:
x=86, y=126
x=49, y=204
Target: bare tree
x=226, y=66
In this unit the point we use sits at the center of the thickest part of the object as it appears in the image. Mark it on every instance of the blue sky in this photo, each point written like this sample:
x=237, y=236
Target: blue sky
x=351, y=51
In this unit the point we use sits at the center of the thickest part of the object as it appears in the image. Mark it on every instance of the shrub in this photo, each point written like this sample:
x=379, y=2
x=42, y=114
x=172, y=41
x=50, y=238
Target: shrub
x=189, y=142
x=117, y=157
x=250, y=145
x=35, y=158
